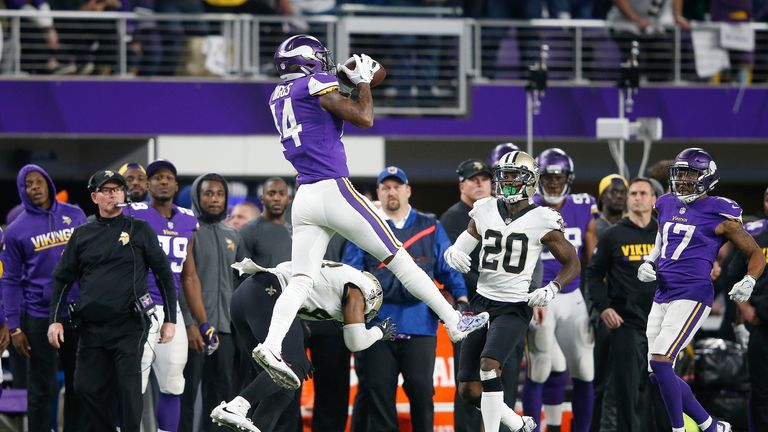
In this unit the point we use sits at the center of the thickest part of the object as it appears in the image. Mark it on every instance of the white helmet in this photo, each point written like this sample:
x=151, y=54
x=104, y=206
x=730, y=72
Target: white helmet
x=515, y=176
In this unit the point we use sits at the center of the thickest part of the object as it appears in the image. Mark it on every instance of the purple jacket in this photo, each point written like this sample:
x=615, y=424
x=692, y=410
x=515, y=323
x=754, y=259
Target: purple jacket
x=33, y=244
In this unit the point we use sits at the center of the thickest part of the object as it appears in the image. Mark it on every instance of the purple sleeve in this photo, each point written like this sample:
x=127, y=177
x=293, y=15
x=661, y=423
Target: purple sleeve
x=728, y=209
x=12, y=291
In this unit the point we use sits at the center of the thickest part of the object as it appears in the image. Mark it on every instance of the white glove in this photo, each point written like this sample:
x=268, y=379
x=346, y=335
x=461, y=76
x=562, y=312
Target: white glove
x=742, y=334
x=646, y=272
x=542, y=296
x=742, y=289
x=457, y=259
x=363, y=71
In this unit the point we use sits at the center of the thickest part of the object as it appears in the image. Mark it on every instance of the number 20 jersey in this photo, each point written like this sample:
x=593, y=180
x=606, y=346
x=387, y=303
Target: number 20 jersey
x=173, y=234
x=311, y=136
x=689, y=246
x=510, y=250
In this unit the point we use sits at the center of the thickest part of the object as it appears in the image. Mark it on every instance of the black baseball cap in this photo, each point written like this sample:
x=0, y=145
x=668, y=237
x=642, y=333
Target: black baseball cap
x=472, y=167
x=100, y=178
x=160, y=163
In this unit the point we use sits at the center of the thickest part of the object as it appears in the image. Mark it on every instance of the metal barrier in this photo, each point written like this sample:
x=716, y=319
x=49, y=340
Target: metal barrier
x=429, y=60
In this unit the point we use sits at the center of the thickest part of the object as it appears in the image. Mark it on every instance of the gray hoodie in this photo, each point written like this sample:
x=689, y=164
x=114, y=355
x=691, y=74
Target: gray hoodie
x=217, y=246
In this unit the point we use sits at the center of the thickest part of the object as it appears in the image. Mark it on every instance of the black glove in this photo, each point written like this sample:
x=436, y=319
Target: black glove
x=462, y=306
x=388, y=328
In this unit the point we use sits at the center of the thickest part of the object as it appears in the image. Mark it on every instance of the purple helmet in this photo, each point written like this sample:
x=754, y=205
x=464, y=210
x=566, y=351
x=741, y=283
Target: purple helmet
x=553, y=162
x=499, y=151
x=300, y=56
x=692, y=174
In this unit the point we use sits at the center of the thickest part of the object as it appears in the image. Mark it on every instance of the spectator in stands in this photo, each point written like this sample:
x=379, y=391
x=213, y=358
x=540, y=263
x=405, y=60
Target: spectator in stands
x=412, y=353
x=219, y=248
x=174, y=34
x=95, y=49
x=643, y=21
x=40, y=41
x=33, y=244
x=242, y=214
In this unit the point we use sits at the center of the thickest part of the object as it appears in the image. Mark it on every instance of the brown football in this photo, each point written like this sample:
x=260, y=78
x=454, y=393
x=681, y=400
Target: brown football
x=379, y=73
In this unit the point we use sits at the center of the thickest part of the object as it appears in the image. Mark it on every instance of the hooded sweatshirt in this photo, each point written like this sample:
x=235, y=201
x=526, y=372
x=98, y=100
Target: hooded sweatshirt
x=219, y=247
x=33, y=244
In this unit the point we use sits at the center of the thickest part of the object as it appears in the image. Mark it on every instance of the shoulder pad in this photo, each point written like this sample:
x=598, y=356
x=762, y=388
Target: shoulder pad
x=186, y=211
x=319, y=84
x=726, y=208
x=479, y=204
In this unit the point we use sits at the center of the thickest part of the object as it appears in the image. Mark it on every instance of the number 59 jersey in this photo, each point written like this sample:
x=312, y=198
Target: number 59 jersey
x=511, y=245
x=689, y=246
x=311, y=136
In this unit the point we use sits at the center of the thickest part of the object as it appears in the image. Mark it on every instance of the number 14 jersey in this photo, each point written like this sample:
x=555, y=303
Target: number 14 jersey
x=689, y=246
x=511, y=245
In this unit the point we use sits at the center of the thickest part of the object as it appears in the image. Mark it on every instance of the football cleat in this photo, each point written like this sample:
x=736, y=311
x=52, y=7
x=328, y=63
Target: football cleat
x=466, y=325
x=274, y=365
x=529, y=424
x=233, y=415
x=723, y=426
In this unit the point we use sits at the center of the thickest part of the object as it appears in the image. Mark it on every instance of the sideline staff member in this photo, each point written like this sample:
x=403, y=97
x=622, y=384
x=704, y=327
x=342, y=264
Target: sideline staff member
x=109, y=258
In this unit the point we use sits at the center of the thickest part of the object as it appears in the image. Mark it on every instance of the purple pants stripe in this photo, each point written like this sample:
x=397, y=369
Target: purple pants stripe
x=690, y=324
x=379, y=226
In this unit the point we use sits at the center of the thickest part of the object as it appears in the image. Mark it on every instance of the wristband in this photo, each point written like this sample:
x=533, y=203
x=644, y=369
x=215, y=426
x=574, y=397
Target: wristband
x=16, y=331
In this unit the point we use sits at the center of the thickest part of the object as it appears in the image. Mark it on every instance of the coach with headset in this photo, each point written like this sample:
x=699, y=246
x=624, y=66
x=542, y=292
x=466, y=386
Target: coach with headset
x=110, y=258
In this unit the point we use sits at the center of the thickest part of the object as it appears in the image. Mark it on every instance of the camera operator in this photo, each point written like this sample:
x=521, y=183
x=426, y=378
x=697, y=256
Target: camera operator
x=109, y=258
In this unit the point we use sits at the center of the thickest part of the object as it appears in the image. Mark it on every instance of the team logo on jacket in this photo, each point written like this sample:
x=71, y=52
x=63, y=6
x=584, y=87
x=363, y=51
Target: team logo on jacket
x=230, y=244
x=124, y=238
x=67, y=220
x=269, y=290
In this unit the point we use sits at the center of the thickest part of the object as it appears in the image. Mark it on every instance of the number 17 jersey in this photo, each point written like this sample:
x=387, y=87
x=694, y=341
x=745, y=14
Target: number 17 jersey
x=511, y=245
x=689, y=246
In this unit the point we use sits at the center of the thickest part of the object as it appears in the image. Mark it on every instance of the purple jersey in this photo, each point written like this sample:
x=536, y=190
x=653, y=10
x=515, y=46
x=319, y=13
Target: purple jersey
x=756, y=227
x=689, y=246
x=173, y=234
x=311, y=136
x=577, y=211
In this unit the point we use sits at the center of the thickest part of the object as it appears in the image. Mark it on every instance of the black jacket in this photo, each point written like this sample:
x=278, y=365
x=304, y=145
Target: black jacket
x=109, y=259
x=738, y=268
x=612, y=272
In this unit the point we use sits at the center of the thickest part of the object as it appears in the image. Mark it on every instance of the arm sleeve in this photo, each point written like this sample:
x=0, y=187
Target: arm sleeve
x=358, y=338
x=158, y=262
x=13, y=257
x=538, y=276
x=64, y=274
x=596, y=270
x=444, y=274
x=656, y=251
x=353, y=256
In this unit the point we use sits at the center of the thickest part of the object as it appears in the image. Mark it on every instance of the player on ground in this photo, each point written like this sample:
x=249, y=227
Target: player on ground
x=309, y=113
x=563, y=338
x=513, y=232
x=175, y=228
x=341, y=293
x=692, y=227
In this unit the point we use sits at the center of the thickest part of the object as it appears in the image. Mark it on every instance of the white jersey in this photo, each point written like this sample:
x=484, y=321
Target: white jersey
x=325, y=301
x=510, y=247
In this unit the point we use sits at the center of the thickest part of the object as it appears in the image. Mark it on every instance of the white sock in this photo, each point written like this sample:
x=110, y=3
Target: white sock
x=682, y=429
x=707, y=423
x=420, y=285
x=491, y=406
x=286, y=307
x=510, y=419
x=554, y=414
